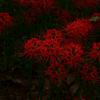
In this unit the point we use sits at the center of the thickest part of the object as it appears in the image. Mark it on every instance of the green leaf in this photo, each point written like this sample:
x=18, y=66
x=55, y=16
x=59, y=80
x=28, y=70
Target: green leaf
x=98, y=88
x=94, y=18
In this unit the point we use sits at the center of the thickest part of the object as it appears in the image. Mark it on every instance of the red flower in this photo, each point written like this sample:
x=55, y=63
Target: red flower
x=63, y=15
x=95, y=53
x=5, y=21
x=48, y=5
x=78, y=29
x=45, y=5
x=50, y=48
x=56, y=72
x=89, y=73
x=90, y=3
x=47, y=49
x=32, y=48
x=54, y=34
x=26, y=2
x=30, y=16
x=79, y=3
x=72, y=55
x=96, y=14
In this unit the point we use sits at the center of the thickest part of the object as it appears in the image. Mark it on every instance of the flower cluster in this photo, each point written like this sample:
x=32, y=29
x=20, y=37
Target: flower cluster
x=95, y=52
x=47, y=48
x=57, y=73
x=72, y=55
x=67, y=35
x=26, y=2
x=5, y=21
x=89, y=73
x=38, y=7
x=78, y=29
x=53, y=48
x=90, y=3
x=54, y=34
x=31, y=48
x=63, y=15
x=29, y=16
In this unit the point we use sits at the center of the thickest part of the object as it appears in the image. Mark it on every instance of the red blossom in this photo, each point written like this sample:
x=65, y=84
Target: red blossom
x=79, y=3
x=91, y=3
x=50, y=48
x=29, y=16
x=27, y=2
x=72, y=55
x=78, y=29
x=45, y=5
x=95, y=52
x=89, y=73
x=5, y=21
x=47, y=49
x=96, y=14
x=54, y=34
x=56, y=72
x=32, y=48
x=86, y=3
x=48, y=5
x=63, y=15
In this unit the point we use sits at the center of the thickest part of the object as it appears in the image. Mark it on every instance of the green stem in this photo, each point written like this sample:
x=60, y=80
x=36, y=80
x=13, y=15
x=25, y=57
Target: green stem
x=58, y=94
x=42, y=88
x=52, y=90
x=5, y=50
x=39, y=88
x=30, y=81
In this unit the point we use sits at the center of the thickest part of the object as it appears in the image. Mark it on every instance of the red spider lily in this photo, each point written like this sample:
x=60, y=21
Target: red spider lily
x=78, y=29
x=54, y=34
x=75, y=55
x=48, y=5
x=86, y=3
x=63, y=15
x=91, y=3
x=50, y=48
x=57, y=73
x=89, y=73
x=32, y=48
x=26, y=2
x=38, y=7
x=30, y=16
x=45, y=5
x=65, y=55
x=96, y=14
x=72, y=55
x=95, y=53
x=79, y=3
x=68, y=40
x=5, y=21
